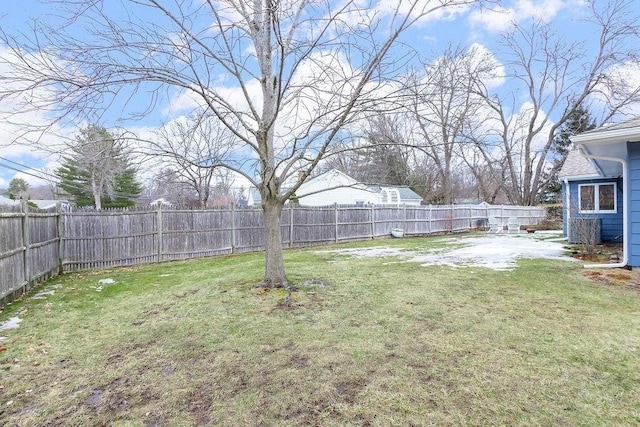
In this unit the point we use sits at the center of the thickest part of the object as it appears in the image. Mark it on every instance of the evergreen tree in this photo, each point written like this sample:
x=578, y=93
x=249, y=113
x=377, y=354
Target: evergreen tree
x=18, y=188
x=98, y=172
x=579, y=121
x=126, y=188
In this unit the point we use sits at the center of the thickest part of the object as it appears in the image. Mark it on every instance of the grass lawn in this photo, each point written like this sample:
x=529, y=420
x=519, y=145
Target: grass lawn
x=370, y=342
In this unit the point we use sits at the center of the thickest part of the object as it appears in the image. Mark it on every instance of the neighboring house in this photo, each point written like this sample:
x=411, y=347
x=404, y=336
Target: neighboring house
x=601, y=183
x=5, y=201
x=40, y=204
x=253, y=197
x=336, y=187
x=249, y=197
x=48, y=204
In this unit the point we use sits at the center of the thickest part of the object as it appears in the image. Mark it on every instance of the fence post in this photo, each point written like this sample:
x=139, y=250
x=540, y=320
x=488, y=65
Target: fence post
x=429, y=219
x=233, y=227
x=160, y=236
x=25, y=241
x=453, y=218
x=60, y=233
x=291, y=216
x=373, y=225
x=335, y=219
x=404, y=218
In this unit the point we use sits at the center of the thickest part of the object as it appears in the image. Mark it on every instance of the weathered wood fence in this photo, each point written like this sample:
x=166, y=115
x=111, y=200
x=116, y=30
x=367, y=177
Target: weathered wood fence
x=37, y=244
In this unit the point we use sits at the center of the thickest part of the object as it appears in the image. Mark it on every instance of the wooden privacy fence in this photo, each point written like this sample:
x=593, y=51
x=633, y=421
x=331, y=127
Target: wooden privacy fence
x=35, y=244
x=30, y=248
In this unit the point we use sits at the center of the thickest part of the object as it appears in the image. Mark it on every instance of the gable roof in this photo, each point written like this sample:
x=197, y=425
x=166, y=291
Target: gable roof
x=405, y=192
x=577, y=166
x=336, y=174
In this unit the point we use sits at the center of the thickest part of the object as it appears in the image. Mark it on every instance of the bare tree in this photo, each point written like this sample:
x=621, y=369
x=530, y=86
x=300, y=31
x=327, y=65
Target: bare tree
x=167, y=184
x=444, y=109
x=380, y=155
x=557, y=77
x=195, y=147
x=285, y=77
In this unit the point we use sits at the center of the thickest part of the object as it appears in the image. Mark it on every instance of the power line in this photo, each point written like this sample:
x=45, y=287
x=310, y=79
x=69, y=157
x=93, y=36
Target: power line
x=55, y=179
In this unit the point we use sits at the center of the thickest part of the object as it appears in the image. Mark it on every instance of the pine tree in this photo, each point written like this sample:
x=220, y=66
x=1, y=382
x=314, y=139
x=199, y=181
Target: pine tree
x=98, y=172
x=579, y=121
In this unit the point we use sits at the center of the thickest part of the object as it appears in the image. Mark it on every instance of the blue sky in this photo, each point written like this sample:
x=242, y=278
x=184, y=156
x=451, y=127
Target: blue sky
x=430, y=37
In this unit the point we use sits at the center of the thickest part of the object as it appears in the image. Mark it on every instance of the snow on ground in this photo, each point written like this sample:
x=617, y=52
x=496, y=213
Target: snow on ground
x=497, y=252
x=12, y=323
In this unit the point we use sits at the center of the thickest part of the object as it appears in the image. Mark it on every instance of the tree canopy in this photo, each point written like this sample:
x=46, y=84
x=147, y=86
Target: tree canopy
x=18, y=189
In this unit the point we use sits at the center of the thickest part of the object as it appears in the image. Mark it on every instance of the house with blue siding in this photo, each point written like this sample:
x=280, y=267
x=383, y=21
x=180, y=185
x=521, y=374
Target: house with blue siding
x=601, y=187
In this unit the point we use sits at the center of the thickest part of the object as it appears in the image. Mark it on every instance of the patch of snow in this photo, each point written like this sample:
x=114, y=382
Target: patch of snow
x=12, y=323
x=373, y=252
x=499, y=252
x=43, y=294
x=107, y=281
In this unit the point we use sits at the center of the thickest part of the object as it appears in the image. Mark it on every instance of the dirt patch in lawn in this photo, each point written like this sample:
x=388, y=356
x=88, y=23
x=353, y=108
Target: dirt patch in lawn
x=616, y=277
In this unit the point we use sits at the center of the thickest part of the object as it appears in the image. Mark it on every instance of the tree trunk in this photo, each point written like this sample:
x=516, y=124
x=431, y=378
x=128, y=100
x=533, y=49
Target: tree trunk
x=274, y=275
x=96, y=194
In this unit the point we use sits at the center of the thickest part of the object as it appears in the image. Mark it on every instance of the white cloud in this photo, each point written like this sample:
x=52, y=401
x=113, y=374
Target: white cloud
x=624, y=79
x=501, y=18
x=430, y=10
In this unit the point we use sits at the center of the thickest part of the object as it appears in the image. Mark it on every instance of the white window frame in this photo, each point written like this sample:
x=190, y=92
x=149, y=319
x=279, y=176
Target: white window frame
x=596, y=195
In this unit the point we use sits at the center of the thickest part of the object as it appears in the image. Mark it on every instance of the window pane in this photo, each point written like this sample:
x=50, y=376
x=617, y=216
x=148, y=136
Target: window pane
x=587, y=198
x=606, y=197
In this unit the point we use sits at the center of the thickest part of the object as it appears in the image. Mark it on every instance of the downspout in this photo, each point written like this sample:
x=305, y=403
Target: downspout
x=625, y=209
x=568, y=205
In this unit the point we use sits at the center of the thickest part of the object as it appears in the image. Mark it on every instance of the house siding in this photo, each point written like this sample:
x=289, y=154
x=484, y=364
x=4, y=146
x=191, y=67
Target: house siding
x=633, y=150
x=612, y=228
